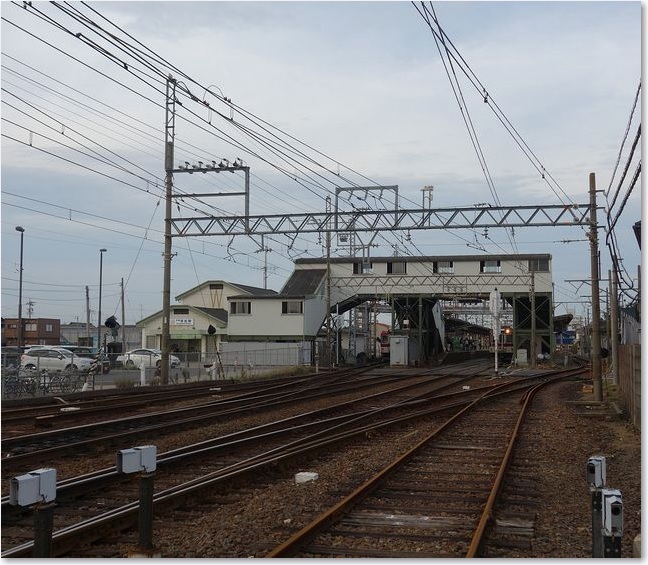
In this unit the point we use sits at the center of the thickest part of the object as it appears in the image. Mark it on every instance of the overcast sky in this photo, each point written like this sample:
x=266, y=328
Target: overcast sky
x=360, y=88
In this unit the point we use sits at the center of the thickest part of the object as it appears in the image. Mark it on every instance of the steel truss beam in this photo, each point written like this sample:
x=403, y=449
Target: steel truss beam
x=378, y=220
x=441, y=285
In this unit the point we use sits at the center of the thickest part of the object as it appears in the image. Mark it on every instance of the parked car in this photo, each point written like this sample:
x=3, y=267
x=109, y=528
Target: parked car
x=89, y=353
x=10, y=356
x=53, y=359
x=150, y=358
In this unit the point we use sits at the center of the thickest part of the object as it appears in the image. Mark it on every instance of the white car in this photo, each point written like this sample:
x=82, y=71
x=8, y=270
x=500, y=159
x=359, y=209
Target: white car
x=53, y=359
x=149, y=357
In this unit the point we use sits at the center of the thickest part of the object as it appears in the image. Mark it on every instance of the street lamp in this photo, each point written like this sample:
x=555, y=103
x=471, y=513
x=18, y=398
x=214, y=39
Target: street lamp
x=20, y=320
x=101, y=252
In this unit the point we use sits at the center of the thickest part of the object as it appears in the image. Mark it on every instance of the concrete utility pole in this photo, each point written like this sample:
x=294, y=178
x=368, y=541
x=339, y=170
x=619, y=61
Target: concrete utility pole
x=169, y=140
x=20, y=285
x=169, y=136
x=328, y=289
x=88, y=313
x=596, y=306
x=123, y=309
x=533, y=352
x=614, y=326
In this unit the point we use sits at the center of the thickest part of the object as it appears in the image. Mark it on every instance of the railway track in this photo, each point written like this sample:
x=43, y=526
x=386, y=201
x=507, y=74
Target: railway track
x=198, y=472
x=19, y=449
x=22, y=450
x=308, y=423
x=90, y=403
x=191, y=472
x=434, y=501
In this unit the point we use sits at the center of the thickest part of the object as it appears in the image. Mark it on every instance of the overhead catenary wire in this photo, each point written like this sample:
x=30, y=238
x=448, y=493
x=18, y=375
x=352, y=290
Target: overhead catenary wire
x=463, y=107
x=490, y=102
x=282, y=149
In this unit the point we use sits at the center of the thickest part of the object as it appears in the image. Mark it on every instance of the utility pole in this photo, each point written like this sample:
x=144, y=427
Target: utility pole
x=169, y=140
x=123, y=309
x=328, y=288
x=88, y=313
x=614, y=325
x=596, y=306
x=169, y=136
x=265, y=251
x=533, y=351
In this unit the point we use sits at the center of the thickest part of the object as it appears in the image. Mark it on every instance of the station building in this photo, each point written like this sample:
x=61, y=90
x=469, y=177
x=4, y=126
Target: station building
x=419, y=293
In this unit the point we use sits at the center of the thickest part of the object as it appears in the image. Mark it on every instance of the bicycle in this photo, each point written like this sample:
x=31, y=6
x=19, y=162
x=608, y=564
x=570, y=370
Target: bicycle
x=16, y=382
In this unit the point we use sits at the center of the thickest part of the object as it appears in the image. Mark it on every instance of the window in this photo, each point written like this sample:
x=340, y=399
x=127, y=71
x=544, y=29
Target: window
x=490, y=266
x=181, y=311
x=396, y=268
x=31, y=327
x=49, y=328
x=539, y=265
x=216, y=286
x=292, y=307
x=443, y=267
x=362, y=268
x=240, y=308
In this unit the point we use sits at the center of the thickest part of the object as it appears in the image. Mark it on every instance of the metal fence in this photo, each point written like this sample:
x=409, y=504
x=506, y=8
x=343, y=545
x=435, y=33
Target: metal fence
x=19, y=382
x=241, y=360
x=234, y=361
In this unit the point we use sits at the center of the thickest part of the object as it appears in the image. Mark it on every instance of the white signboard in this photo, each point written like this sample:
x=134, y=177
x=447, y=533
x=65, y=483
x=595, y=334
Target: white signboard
x=183, y=321
x=494, y=302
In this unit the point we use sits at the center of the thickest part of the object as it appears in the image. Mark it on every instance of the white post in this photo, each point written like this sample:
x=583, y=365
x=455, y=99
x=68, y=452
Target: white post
x=494, y=306
x=496, y=335
x=142, y=375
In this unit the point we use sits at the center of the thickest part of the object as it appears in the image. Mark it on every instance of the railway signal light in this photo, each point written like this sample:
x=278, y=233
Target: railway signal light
x=113, y=324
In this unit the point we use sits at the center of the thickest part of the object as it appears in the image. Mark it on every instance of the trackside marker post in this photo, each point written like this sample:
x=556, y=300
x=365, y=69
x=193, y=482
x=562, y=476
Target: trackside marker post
x=612, y=530
x=38, y=490
x=596, y=477
x=142, y=460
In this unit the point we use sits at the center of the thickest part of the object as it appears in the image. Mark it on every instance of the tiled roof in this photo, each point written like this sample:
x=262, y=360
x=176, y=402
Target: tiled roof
x=218, y=313
x=303, y=282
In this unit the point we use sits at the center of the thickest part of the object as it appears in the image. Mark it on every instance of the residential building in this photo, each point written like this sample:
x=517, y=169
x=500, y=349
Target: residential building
x=36, y=331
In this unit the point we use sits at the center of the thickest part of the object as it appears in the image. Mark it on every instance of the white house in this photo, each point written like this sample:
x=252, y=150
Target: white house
x=414, y=287
x=198, y=322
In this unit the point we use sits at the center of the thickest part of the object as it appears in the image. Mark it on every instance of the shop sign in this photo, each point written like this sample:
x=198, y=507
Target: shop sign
x=183, y=321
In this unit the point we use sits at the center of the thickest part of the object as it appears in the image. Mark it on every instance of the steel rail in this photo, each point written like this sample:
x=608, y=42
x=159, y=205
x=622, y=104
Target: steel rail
x=124, y=517
x=267, y=401
x=292, y=545
x=290, y=424
x=486, y=516
x=72, y=486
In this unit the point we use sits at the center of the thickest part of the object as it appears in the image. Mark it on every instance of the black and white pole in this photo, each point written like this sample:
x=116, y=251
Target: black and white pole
x=142, y=460
x=38, y=490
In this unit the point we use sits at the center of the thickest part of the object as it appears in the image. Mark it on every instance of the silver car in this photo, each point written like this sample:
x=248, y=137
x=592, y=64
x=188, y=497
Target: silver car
x=53, y=359
x=149, y=357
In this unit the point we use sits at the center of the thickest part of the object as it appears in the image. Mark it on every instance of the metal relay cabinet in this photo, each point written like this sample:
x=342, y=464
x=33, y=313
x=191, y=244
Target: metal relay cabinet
x=399, y=350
